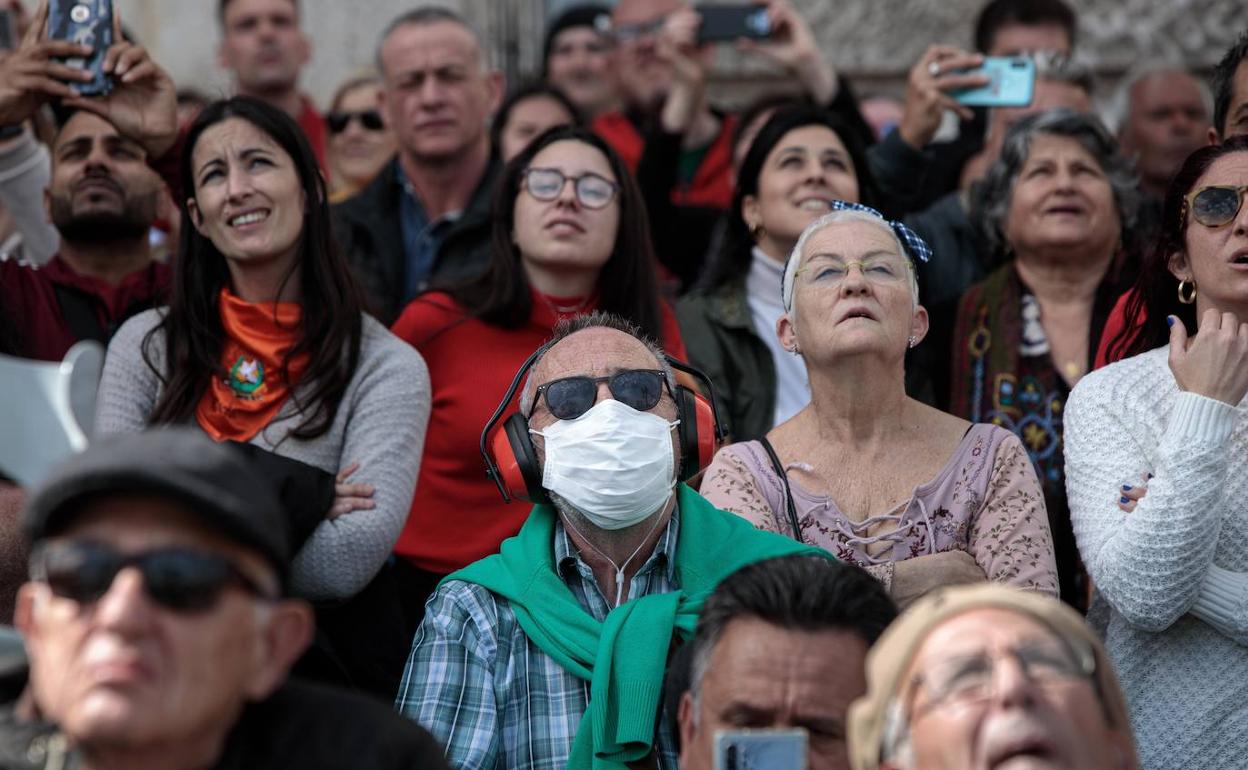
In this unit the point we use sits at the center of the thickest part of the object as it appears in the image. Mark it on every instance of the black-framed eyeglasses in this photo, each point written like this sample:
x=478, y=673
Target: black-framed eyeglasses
x=964, y=679
x=369, y=119
x=180, y=579
x=570, y=397
x=1216, y=205
x=592, y=190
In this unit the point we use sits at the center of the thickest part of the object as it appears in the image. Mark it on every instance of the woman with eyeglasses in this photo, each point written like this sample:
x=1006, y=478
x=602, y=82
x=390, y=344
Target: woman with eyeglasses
x=569, y=236
x=360, y=143
x=918, y=497
x=1157, y=473
x=265, y=344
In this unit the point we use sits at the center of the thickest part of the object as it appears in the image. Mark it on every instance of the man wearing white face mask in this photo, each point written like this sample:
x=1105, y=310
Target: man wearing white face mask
x=595, y=591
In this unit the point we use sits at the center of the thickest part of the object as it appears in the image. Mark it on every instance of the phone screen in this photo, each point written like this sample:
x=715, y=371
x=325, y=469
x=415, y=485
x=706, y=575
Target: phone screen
x=8, y=31
x=760, y=750
x=722, y=23
x=89, y=23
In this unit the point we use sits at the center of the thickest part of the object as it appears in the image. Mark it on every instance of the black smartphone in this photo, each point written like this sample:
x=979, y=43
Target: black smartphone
x=723, y=22
x=8, y=31
x=89, y=23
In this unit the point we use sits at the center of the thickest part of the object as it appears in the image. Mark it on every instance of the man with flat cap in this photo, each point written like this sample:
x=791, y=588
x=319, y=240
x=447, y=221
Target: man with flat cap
x=158, y=629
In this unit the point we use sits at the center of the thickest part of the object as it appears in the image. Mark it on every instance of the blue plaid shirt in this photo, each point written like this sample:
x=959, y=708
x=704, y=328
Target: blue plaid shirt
x=489, y=695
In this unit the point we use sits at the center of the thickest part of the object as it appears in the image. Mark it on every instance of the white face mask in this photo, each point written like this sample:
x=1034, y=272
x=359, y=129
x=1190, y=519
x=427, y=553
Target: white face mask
x=613, y=463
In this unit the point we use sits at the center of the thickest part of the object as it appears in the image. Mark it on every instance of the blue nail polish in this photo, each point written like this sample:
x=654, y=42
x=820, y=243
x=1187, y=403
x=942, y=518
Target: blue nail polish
x=1124, y=500
x=1169, y=320
x=1126, y=487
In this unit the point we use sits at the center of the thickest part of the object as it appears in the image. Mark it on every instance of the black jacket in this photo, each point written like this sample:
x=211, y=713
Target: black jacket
x=300, y=726
x=368, y=231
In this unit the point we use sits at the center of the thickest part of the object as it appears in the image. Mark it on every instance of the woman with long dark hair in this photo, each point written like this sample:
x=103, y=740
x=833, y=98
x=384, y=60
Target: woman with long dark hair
x=801, y=160
x=265, y=342
x=570, y=235
x=1157, y=475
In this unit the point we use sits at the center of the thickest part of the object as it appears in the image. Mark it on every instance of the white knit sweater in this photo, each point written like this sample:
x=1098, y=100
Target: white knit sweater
x=380, y=424
x=1174, y=572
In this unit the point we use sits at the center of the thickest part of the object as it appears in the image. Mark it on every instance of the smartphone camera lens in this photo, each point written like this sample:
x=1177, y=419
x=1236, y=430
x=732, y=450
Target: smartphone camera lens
x=731, y=758
x=758, y=24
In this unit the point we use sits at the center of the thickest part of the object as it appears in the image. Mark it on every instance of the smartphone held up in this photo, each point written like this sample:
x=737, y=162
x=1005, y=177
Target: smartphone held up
x=761, y=750
x=1011, y=83
x=723, y=22
x=87, y=23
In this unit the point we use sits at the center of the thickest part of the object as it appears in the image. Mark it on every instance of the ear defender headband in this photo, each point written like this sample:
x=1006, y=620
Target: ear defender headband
x=511, y=459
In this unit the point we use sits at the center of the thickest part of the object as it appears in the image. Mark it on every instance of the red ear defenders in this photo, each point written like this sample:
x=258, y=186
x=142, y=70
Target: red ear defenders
x=511, y=460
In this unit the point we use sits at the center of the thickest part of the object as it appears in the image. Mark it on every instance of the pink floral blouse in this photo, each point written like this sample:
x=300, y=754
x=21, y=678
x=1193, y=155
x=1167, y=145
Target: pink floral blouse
x=985, y=501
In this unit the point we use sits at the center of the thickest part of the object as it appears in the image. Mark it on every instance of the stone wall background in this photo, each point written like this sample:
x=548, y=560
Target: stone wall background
x=873, y=41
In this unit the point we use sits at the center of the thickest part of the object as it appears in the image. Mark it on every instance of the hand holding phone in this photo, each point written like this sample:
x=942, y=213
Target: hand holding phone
x=760, y=750
x=1011, y=83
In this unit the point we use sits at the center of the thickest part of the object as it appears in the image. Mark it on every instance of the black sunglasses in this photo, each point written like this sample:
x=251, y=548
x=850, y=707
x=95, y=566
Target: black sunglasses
x=571, y=397
x=1216, y=205
x=180, y=579
x=369, y=119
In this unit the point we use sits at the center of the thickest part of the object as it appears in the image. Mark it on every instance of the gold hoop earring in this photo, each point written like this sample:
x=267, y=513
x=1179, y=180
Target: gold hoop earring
x=1187, y=291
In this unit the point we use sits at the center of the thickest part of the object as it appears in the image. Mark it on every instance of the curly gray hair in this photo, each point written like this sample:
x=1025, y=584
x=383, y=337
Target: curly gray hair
x=990, y=205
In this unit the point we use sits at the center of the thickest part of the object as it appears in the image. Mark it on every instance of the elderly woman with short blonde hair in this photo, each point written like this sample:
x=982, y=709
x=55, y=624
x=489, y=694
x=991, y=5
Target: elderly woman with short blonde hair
x=918, y=497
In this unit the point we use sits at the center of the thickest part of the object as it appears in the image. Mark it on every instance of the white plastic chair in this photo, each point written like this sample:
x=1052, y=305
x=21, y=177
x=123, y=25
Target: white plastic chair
x=46, y=410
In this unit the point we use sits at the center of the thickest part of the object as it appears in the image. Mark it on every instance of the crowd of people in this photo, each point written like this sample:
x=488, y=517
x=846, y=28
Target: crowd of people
x=580, y=423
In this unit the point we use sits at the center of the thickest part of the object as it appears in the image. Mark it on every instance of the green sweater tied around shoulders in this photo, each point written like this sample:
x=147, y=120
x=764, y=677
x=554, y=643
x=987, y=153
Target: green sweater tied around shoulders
x=623, y=658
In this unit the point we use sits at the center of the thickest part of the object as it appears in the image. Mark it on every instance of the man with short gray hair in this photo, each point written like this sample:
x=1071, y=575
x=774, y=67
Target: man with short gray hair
x=1163, y=118
x=426, y=217
x=589, y=597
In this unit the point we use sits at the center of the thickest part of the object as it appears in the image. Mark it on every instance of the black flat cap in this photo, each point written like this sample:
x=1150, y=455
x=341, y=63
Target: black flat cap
x=214, y=481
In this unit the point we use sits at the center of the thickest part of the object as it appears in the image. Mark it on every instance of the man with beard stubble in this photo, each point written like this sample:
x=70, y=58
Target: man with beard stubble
x=102, y=198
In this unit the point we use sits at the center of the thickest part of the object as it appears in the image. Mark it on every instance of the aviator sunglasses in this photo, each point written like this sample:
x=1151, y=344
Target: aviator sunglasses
x=1217, y=205
x=571, y=397
x=369, y=119
x=179, y=579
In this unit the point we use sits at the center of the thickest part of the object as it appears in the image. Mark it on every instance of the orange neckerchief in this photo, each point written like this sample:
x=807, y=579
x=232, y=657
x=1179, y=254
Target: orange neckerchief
x=257, y=338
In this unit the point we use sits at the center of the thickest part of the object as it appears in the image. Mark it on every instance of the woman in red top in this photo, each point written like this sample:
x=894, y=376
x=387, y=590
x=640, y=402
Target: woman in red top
x=570, y=236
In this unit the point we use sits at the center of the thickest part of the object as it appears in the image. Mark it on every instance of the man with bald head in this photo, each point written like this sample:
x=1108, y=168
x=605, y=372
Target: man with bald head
x=601, y=580
x=425, y=219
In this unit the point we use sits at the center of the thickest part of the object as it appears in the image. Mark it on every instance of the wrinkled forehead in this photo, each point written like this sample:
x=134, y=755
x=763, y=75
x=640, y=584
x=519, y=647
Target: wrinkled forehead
x=83, y=124
x=594, y=352
x=852, y=239
x=985, y=629
x=634, y=11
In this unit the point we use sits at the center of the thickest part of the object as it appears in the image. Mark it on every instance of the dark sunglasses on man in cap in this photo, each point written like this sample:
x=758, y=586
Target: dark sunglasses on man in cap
x=370, y=120
x=180, y=579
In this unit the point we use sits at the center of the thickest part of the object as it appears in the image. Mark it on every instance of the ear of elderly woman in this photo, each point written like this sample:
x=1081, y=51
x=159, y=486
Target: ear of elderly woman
x=874, y=476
